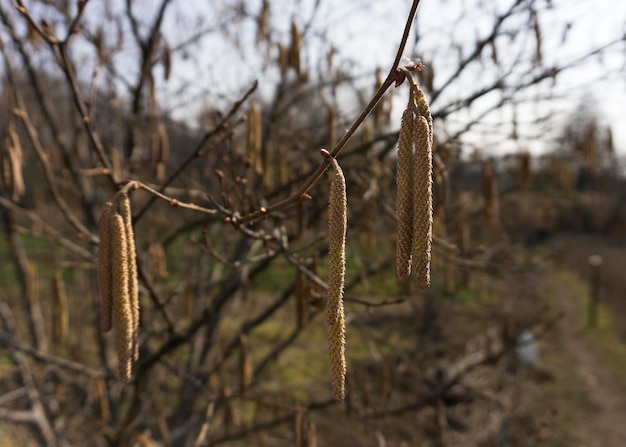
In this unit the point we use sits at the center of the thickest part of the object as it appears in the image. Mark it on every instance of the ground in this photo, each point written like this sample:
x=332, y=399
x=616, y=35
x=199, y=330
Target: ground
x=575, y=398
x=589, y=386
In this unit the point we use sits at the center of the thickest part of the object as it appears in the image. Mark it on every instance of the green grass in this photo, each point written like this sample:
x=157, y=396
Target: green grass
x=605, y=335
x=566, y=392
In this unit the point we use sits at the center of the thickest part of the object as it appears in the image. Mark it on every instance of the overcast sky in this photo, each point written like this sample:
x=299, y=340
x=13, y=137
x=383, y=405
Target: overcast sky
x=368, y=32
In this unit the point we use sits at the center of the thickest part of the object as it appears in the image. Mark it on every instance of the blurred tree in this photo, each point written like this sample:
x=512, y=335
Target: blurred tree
x=217, y=112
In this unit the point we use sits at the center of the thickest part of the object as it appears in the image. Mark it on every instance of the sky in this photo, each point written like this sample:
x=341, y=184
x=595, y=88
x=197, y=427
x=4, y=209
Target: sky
x=366, y=34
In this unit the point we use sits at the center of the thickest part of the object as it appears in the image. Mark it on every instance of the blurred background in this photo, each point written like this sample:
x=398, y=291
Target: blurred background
x=221, y=107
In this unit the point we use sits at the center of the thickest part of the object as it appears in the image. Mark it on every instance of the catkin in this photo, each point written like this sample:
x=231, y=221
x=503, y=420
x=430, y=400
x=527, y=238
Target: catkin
x=61, y=327
x=337, y=224
x=122, y=313
x=311, y=434
x=133, y=285
x=404, y=200
x=255, y=139
x=337, y=349
x=414, y=196
x=11, y=159
x=283, y=59
x=294, y=48
x=157, y=263
x=104, y=267
x=423, y=202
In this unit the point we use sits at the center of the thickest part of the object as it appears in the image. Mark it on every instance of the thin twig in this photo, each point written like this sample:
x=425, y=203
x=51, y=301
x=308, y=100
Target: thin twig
x=220, y=127
x=48, y=229
x=391, y=78
x=175, y=202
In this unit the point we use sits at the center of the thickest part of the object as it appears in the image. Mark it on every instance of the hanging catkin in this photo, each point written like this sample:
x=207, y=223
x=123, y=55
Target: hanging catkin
x=423, y=232
x=337, y=224
x=133, y=285
x=122, y=313
x=255, y=139
x=104, y=267
x=61, y=321
x=423, y=201
x=414, y=181
x=404, y=200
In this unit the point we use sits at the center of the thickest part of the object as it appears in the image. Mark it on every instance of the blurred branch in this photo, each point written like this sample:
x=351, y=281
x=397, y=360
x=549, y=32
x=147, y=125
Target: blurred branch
x=48, y=229
x=22, y=113
x=8, y=340
x=220, y=127
x=391, y=78
x=480, y=46
x=148, y=47
x=37, y=414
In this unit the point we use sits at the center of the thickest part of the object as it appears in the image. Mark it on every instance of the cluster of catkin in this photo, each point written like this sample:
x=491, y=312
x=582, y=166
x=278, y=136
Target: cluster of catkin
x=337, y=224
x=11, y=161
x=414, y=183
x=117, y=276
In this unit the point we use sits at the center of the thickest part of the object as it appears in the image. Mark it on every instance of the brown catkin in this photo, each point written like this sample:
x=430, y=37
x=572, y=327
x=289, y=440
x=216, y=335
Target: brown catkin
x=262, y=21
x=311, y=434
x=255, y=139
x=103, y=398
x=423, y=202
x=294, y=48
x=337, y=349
x=157, y=262
x=404, y=200
x=525, y=172
x=283, y=59
x=133, y=283
x=282, y=169
x=61, y=327
x=337, y=224
x=490, y=195
x=538, y=41
x=104, y=267
x=297, y=428
x=122, y=313
x=16, y=158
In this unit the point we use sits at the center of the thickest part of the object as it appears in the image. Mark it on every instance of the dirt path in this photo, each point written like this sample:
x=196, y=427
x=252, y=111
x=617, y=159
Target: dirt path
x=596, y=402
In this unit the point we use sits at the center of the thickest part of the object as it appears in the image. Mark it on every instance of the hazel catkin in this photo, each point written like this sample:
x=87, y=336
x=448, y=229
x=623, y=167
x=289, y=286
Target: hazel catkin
x=122, y=313
x=104, y=267
x=414, y=196
x=133, y=284
x=423, y=202
x=337, y=225
x=404, y=199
